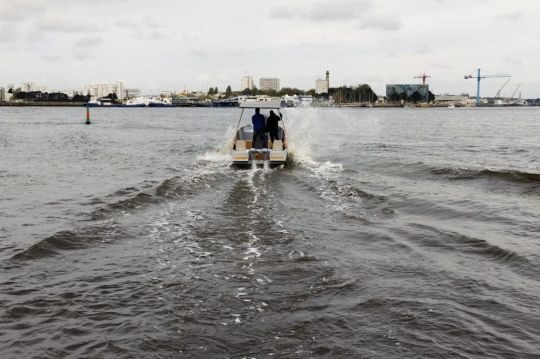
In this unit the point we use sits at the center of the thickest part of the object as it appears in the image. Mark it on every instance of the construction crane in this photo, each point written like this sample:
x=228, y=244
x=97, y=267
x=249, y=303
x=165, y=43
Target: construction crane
x=423, y=77
x=480, y=77
x=498, y=94
x=518, y=86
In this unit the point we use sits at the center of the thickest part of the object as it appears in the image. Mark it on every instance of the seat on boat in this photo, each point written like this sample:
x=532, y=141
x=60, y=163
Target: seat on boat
x=240, y=145
x=278, y=145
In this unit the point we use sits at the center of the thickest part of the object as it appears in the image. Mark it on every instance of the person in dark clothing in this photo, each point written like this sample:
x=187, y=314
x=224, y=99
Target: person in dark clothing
x=259, y=128
x=272, y=126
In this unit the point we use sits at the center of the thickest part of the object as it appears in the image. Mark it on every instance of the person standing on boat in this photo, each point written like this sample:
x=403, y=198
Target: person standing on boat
x=272, y=126
x=259, y=128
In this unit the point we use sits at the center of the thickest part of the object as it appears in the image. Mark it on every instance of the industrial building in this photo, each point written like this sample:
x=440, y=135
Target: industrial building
x=396, y=92
x=322, y=86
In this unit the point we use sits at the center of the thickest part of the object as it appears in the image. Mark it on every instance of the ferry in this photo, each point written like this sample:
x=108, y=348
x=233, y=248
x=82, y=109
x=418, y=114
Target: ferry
x=136, y=102
x=157, y=102
x=245, y=153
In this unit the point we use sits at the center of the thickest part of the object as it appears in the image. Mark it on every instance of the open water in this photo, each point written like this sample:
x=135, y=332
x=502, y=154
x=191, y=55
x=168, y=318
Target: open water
x=396, y=233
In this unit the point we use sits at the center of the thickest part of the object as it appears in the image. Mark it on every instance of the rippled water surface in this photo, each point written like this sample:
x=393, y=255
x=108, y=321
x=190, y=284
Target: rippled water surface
x=395, y=233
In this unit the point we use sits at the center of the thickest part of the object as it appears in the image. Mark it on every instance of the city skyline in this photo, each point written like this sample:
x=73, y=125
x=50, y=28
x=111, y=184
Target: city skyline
x=65, y=45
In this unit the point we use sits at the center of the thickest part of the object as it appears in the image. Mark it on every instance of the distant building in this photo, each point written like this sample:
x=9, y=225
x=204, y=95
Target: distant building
x=322, y=86
x=451, y=98
x=269, y=83
x=28, y=86
x=2, y=94
x=102, y=90
x=132, y=93
x=396, y=92
x=246, y=82
x=31, y=87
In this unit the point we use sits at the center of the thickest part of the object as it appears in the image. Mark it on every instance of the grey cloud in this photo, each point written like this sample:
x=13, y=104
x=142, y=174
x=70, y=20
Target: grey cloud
x=513, y=61
x=8, y=33
x=146, y=29
x=52, y=58
x=385, y=23
x=23, y=10
x=85, y=48
x=13, y=11
x=324, y=11
x=199, y=53
x=89, y=41
x=424, y=50
x=282, y=12
x=510, y=16
x=442, y=66
x=51, y=23
x=149, y=35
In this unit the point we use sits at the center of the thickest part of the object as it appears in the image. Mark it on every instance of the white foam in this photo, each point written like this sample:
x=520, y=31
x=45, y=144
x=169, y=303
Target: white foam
x=215, y=157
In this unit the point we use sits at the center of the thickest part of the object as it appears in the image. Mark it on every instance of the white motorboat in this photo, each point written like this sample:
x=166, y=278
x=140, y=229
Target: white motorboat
x=245, y=153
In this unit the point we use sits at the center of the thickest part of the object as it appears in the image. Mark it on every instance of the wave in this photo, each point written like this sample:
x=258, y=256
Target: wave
x=452, y=240
x=138, y=201
x=420, y=169
x=66, y=241
x=465, y=174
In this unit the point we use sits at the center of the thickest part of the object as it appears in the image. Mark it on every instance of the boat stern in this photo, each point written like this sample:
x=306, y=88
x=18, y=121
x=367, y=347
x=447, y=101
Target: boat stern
x=258, y=157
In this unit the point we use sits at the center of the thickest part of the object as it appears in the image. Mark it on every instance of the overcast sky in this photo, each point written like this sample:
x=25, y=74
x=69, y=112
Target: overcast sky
x=168, y=45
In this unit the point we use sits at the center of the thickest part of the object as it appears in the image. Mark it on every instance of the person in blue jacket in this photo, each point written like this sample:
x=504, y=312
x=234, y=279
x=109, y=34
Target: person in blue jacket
x=259, y=128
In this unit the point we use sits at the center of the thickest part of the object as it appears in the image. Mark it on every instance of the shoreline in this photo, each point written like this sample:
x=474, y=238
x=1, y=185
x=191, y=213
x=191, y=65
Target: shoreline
x=350, y=105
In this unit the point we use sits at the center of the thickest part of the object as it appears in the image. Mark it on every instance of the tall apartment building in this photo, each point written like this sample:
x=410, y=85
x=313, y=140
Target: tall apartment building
x=31, y=86
x=246, y=82
x=269, y=83
x=28, y=86
x=102, y=90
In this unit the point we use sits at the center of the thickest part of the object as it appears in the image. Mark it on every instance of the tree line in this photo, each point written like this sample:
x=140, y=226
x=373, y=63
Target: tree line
x=347, y=94
x=46, y=96
x=360, y=93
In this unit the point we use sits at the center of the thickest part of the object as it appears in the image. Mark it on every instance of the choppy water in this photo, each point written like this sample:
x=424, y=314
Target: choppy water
x=392, y=234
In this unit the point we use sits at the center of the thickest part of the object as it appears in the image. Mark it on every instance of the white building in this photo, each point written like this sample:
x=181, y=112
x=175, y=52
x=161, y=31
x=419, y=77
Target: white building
x=102, y=90
x=322, y=86
x=269, y=83
x=2, y=94
x=31, y=87
x=28, y=86
x=246, y=82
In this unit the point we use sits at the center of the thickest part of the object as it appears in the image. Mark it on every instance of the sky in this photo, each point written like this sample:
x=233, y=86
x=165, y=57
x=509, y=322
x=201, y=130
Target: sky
x=159, y=45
